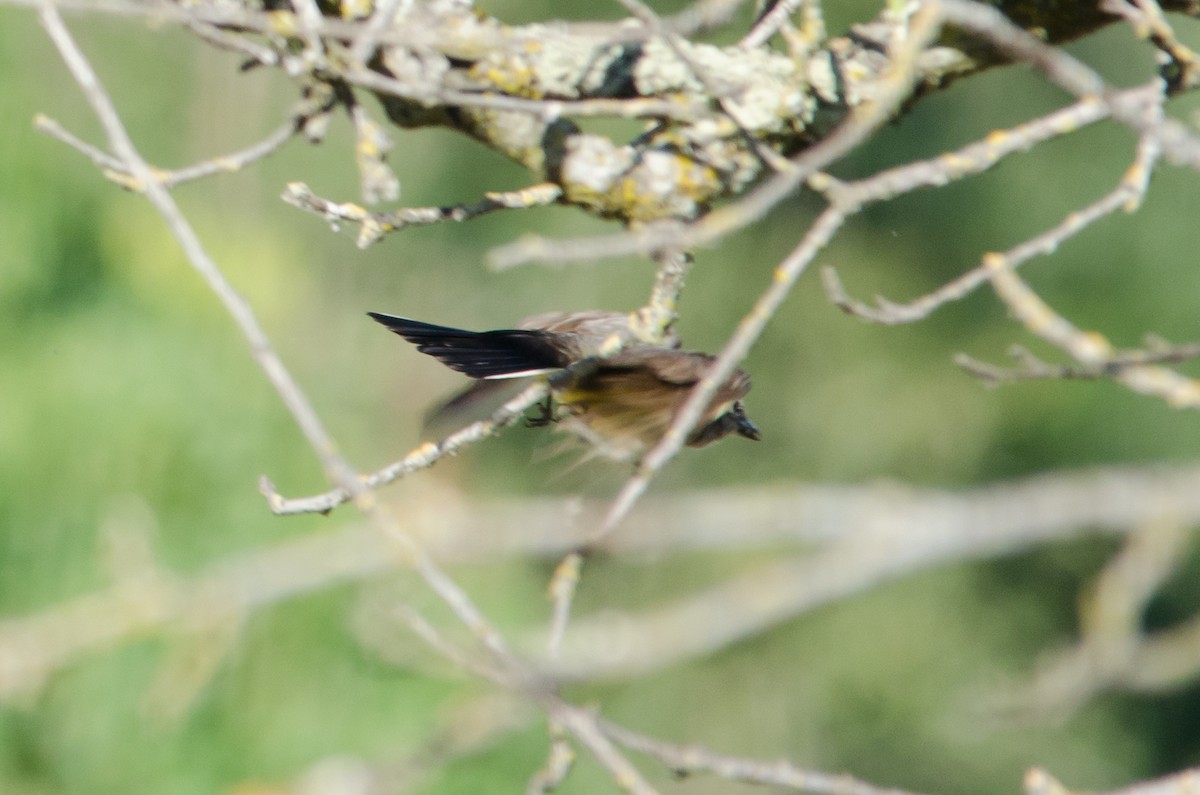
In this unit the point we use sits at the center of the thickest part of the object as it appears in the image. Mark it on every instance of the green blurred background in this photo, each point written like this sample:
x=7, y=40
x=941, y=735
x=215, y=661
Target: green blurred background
x=123, y=382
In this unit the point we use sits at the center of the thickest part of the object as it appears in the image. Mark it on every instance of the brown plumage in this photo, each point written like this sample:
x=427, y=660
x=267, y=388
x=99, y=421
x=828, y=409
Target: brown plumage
x=621, y=395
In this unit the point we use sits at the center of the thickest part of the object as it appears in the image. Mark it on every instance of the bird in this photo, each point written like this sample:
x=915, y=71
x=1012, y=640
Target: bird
x=612, y=388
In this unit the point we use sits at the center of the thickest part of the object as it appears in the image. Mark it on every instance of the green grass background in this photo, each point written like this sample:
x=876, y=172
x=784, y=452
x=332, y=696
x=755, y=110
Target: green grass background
x=122, y=382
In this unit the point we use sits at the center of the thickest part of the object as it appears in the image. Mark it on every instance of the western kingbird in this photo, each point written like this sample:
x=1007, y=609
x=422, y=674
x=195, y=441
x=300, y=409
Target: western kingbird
x=620, y=393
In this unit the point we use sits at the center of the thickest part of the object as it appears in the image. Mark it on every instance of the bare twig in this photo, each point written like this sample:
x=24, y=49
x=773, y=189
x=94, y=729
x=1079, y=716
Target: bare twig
x=559, y=761
x=702, y=16
x=383, y=16
x=657, y=318
x=584, y=724
x=116, y=170
x=1110, y=652
x=1030, y=367
x=562, y=594
x=692, y=759
x=1182, y=67
x=1088, y=347
x=422, y=457
x=771, y=22
x=1179, y=144
x=1185, y=782
x=973, y=159
x=372, y=144
x=214, y=35
x=375, y=225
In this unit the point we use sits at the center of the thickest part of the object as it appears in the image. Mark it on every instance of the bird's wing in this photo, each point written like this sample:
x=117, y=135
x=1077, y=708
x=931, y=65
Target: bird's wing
x=477, y=401
x=671, y=366
x=668, y=365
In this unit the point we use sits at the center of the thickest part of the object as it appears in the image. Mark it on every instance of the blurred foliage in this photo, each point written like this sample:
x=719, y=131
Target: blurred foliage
x=122, y=376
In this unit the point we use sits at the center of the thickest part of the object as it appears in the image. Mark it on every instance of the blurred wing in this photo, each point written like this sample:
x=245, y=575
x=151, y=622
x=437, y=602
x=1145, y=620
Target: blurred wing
x=478, y=401
x=508, y=353
x=684, y=368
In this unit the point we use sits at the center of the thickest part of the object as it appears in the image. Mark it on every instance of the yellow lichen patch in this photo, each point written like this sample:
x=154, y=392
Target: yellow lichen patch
x=126, y=181
x=998, y=138
x=993, y=261
x=602, y=203
x=355, y=9
x=955, y=162
x=698, y=182
x=283, y=23
x=1094, y=346
x=1183, y=392
x=511, y=76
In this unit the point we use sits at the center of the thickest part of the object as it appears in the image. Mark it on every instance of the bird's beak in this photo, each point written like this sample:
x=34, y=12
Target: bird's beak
x=743, y=425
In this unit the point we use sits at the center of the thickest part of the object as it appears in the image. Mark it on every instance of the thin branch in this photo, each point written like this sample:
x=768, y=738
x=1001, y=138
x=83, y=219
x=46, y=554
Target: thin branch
x=1182, y=72
x=703, y=16
x=383, y=16
x=770, y=23
x=563, y=585
x=374, y=225
x=423, y=457
x=372, y=144
x=1112, y=648
x=116, y=169
x=237, y=306
x=692, y=759
x=584, y=724
x=234, y=161
x=974, y=159
x=101, y=159
x=257, y=53
x=1186, y=782
x=455, y=654
x=1180, y=145
x=1030, y=367
x=1127, y=191
x=656, y=320
x=559, y=761
x=1088, y=347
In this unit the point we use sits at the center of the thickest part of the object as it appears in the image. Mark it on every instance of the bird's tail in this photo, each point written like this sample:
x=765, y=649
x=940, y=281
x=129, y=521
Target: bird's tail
x=507, y=353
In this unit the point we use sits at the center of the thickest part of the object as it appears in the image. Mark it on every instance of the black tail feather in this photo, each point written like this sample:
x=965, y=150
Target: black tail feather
x=480, y=354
